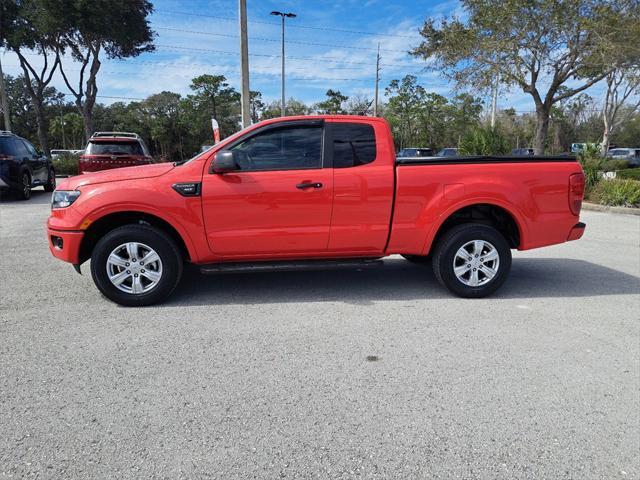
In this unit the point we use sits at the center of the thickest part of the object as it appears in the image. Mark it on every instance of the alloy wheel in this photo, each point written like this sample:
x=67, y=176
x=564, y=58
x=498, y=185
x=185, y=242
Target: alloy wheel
x=476, y=263
x=134, y=268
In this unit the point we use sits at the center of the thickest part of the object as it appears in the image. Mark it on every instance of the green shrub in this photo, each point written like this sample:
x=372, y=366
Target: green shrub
x=592, y=166
x=614, y=165
x=66, y=164
x=632, y=173
x=483, y=141
x=625, y=193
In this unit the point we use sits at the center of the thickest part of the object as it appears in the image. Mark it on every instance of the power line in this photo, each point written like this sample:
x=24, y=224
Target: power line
x=187, y=75
x=229, y=35
x=315, y=60
x=307, y=27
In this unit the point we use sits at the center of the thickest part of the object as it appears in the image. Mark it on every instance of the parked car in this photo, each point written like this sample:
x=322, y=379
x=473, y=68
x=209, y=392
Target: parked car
x=107, y=150
x=23, y=167
x=522, y=151
x=447, y=152
x=630, y=154
x=415, y=152
x=301, y=192
x=57, y=152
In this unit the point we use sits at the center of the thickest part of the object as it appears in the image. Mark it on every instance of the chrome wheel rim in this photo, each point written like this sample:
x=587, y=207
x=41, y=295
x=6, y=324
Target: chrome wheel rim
x=134, y=268
x=476, y=263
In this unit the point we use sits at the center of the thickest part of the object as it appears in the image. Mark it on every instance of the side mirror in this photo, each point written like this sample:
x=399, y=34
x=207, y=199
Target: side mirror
x=223, y=162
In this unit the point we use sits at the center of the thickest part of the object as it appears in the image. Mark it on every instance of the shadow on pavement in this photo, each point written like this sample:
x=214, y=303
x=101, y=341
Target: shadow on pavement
x=397, y=279
x=38, y=197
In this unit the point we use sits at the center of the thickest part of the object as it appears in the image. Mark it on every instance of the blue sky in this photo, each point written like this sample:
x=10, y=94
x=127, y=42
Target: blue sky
x=338, y=51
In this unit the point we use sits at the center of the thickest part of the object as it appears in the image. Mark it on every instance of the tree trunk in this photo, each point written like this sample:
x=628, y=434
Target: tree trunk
x=87, y=116
x=606, y=140
x=542, y=127
x=42, y=126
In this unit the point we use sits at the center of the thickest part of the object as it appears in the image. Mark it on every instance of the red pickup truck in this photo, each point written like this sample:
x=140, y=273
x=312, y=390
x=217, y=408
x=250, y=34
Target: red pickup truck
x=304, y=192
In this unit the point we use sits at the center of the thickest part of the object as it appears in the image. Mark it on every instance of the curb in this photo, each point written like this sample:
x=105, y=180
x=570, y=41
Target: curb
x=594, y=207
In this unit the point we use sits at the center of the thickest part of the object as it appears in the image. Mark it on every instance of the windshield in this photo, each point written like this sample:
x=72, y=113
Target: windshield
x=407, y=152
x=618, y=153
x=114, y=148
x=448, y=152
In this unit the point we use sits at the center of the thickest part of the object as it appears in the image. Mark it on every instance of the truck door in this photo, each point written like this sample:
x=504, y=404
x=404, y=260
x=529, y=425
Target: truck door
x=278, y=201
x=363, y=184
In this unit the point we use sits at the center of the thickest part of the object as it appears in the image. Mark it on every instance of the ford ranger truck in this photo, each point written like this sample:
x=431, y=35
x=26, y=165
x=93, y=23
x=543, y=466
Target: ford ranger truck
x=307, y=192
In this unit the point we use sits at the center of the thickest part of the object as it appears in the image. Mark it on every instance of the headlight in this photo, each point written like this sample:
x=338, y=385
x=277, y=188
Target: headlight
x=64, y=198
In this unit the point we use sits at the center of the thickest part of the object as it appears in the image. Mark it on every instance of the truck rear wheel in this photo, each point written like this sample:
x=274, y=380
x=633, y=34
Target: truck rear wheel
x=136, y=265
x=472, y=260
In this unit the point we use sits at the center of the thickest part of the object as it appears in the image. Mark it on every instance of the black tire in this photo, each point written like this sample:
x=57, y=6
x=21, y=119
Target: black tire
x=419, y=259
x=154, y=238
x=50, y=186
x=25, y=192
x=456, y=238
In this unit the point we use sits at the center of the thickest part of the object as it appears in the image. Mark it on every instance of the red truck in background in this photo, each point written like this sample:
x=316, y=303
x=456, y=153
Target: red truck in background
x=107, y=150
x=309, y=191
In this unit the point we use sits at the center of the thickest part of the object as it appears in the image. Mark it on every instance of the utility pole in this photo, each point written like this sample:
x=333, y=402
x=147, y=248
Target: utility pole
x=494, y=102
x=375, y=97
x=244, y=63
x=5, y=102
x=283, y=15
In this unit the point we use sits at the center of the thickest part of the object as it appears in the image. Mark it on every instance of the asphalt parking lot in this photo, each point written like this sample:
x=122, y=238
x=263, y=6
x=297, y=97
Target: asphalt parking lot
x=374, y=373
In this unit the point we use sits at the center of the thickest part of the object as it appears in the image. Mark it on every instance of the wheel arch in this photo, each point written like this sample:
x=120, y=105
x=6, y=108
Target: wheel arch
x=503, y=218
x=107, y=222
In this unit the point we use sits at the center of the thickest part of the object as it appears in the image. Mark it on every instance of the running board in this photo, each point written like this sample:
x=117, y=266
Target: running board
x=285, y=266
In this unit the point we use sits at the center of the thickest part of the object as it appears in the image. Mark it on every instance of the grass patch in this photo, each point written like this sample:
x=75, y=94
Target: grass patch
x=629, y=173
x=617, y=193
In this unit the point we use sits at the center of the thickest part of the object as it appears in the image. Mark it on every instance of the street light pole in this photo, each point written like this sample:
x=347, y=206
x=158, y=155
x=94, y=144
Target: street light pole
x=282, y=16
x=244, y=65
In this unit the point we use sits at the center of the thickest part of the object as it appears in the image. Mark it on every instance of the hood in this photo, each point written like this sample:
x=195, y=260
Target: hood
x=116, y=175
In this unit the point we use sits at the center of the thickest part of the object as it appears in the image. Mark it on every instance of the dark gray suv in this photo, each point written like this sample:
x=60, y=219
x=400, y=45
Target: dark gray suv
x=23, y=167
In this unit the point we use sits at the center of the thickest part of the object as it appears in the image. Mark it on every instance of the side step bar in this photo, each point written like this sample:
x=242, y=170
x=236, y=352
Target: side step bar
x=284, y=266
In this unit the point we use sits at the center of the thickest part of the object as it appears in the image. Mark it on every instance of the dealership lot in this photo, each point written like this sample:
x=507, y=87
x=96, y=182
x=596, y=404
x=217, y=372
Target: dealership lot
x=372, y=373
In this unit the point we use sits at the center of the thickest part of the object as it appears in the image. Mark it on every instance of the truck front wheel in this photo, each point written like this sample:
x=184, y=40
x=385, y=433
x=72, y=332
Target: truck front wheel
x=136, y=265
x=472, y=260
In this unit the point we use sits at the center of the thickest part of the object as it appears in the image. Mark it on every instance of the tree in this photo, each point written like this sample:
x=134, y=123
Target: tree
x=67, y=130
x=333, y=104
x=120, y=31
x=29, y=26
x=359, y=105
x=256, y=106
x=622, y=85
x=24, y=119
x=563, y=46
x=162, y=112
x=405, y=98
x=216, y=98
x=483, y=141
x=292, y=107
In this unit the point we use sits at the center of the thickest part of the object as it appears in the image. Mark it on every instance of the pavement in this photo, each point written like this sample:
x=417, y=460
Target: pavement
x=357, y=373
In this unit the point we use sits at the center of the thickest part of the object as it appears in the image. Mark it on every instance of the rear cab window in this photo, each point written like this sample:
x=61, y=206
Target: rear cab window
x=354, y=144
x=114, y=148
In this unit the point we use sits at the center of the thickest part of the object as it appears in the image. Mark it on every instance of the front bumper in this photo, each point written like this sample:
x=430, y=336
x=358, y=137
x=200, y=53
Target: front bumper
x=65, y=244
x=577, y=231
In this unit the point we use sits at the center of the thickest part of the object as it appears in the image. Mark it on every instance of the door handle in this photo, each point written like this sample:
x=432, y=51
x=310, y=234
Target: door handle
x=309, y=185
